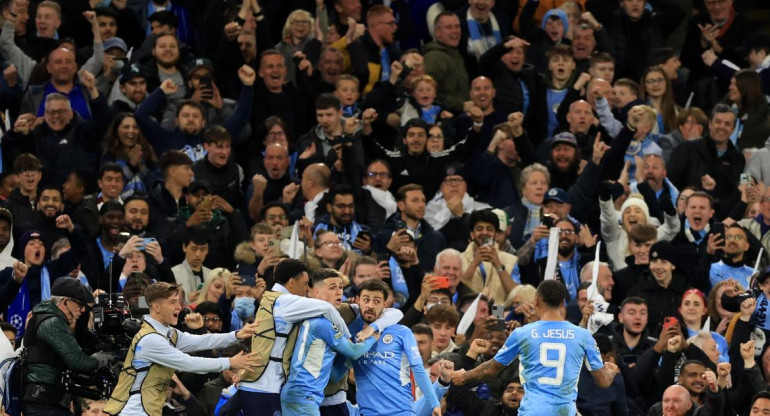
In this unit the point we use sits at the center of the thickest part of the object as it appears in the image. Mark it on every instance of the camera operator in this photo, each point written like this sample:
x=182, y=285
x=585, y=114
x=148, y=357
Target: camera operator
x=52, y=349
x=158, y=350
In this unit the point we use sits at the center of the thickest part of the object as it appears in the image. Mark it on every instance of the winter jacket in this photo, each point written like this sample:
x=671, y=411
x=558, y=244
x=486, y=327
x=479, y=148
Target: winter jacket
x=664, y=301
x=429, y=241
x=54, y=337
x=632, y=42
x=77, y=146
x=224, y=181
x=693, y=159
x=447, y=66
x=626, y=278
x=366, y=61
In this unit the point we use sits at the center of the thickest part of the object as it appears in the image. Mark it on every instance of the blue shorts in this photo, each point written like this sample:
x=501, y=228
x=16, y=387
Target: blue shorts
x=335, y=410
x=299, y=404
x=253, y=403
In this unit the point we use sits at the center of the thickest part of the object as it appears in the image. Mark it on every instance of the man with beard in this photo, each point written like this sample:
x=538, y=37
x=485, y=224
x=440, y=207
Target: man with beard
x=112, y=218
x=468, y=401
x=79, y=201
x=130, y=90
x=570, y=259
x=484, y=264
x=691, y=392
x=653, y=172
x=32, y=278
x=271, y=179
x=137, y=215
x=189, y=122
x=372, y=53
x=733, y=246
x=712, y=163
x=565, y=160
x=341, y=220
x=450, y=208
x=48, y=207
x=410, y=216
x=380, y=390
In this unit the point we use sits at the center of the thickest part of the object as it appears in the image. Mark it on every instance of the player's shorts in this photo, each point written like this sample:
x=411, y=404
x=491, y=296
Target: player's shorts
x=260, y=403
x=335, y=410
x=298, y=404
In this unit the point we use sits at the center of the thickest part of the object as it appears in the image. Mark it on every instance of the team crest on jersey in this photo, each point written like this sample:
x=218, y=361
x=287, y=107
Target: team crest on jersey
x=387, y=339
x=337, y=333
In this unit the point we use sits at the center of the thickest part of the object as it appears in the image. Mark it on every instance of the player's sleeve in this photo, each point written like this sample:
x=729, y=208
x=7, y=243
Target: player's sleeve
x=415, y=363
x=333, y=337
x=593, y=357
x=389, y=317
x=510, y=349
x=421, y=405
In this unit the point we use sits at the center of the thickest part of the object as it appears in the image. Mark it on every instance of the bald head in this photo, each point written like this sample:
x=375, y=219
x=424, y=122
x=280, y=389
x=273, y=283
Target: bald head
x=580, y=117
x=603, y=87
x=315, y=179
x=676, y=401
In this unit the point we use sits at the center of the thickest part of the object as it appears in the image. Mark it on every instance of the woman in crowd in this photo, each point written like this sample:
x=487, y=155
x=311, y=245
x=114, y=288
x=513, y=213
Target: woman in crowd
x=656, y=92
x=127, y=146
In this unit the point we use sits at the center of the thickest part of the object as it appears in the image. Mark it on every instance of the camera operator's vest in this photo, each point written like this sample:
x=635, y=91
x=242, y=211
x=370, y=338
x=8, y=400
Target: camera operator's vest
x=153, y=387
x=333, y=387
x=264, y=340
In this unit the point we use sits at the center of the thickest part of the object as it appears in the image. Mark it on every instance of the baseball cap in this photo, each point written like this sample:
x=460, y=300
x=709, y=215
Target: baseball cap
x=116, y=42
x=199, y=63
x=556, y=194
x=130, y=72
x=564, y=137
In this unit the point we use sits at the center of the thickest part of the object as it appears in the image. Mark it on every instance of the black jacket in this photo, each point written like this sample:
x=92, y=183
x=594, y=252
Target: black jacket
x=224, y=181
x=626, y=278
x=429, y=242
x=665, y=300
x=693, y=159
x=632, y=42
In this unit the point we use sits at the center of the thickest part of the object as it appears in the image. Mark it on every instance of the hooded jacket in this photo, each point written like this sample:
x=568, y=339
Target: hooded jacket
x=447, y=66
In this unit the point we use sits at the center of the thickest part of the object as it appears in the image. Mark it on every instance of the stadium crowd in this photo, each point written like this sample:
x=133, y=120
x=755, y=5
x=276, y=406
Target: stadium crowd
x=418, y=168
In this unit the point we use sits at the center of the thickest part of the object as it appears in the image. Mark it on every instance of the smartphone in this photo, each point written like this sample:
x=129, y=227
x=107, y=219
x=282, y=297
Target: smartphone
x=382, y=257
x=365, y=233
x=745, y=179
x=205, y=84
x=719, y=228
x=248, y=274
x=498, y=310
x=274, y=247
x=629, y=359
x=442, y=282
x=498, y=326
x=548, y=220
x=123, y=237
x=669, y=321
x=138, y=277
x=206, y=203
x=146, y=241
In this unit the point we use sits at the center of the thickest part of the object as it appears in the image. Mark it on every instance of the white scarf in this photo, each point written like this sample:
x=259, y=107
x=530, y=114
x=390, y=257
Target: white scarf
x=384, y=199
x=437, y=212
x=311, y=206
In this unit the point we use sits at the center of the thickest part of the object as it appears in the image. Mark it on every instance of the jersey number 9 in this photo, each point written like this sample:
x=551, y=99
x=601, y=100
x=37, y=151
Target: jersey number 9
x=557, y=364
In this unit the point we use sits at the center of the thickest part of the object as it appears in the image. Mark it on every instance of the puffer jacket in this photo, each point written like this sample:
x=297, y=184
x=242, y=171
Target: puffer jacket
x=54, y=337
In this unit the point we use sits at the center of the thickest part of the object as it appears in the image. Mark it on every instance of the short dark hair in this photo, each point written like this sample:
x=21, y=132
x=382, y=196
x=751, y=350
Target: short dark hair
x=106, y=12
x=552, y=293
x=324, y=273
x=197, y=235
x=49, y=187
x=273, y=204
x=84, y=179
x=560, y=50
x=601, y=58
x=326, y=101
x=216, y=134
x=423, y=329
x=7, y=326
x=160, y=290
x=633, y=300
x=445, y=13
x=339, y=189
x=110, y=167
x=761, y=395
x=483, y=215
x=690, y=362
x=722, y=108
x=402, y=191
x=375, y=285
x=701, y=194
x=660, y=56
x=209, y=307
x=629, y=83
x=25, y=162
x=642, y=233
x=164, y=17
x=173, y=158
x=189, y=103
x=288, y=269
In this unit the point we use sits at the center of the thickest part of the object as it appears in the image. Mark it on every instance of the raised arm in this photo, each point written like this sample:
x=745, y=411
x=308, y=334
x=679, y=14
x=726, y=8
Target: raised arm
x=605, y=375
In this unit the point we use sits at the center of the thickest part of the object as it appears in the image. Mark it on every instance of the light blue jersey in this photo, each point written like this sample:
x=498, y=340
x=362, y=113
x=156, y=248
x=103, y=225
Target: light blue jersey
x=551, y=355
x=383, y=381
x=318, y=342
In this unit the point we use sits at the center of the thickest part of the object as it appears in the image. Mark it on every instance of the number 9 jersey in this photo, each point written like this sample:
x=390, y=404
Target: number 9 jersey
x=551, y=356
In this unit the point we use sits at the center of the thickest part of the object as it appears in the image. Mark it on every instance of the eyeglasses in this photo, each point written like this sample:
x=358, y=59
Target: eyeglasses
x=453, y=181
x=214, y=319
x=566, y=232
x=58, y=113
x=436, y=137
x=383, y=175
x=331, y=244
x=652, y=81
x=735, y=237
x=275, y=217
x=77, y=302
